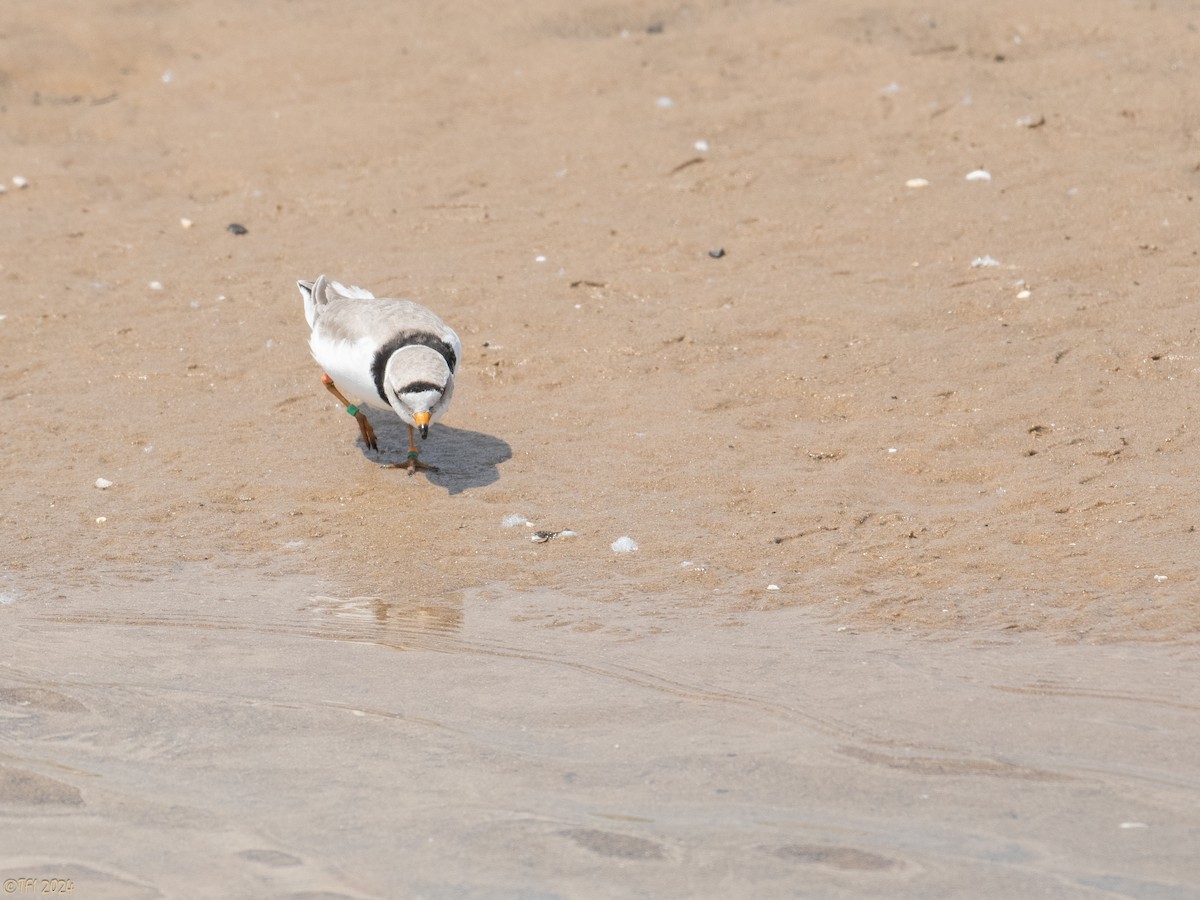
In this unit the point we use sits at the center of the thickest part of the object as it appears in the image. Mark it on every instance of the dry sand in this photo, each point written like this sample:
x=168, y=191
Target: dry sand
x=972, y=488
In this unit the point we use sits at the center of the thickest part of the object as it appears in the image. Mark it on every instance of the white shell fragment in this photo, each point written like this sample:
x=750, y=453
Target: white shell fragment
x=772, y=587
x=979, y=175
x=20, y=181
x=156, y=286
x=916, y=183
x=513, y=520
x=624, y=544
x=185, y=223
x=103, y=483
x=982, y=262
x=702, y=146
x=1024, y=295
x=664, y=102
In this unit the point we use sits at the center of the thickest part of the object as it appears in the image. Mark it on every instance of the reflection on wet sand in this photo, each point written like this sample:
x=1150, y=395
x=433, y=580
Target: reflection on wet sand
x=399, y=624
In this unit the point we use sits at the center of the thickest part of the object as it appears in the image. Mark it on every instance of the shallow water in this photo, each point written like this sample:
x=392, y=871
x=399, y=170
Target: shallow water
x=227, y=734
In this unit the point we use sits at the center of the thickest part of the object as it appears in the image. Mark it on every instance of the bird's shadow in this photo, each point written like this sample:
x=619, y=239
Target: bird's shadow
x=465, y=459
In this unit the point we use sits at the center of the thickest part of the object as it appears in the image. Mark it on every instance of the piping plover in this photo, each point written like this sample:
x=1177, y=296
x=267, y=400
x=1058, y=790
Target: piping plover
x=390, y=354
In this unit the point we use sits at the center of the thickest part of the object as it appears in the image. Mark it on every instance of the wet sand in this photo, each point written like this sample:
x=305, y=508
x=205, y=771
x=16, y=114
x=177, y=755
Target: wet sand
x=261, y=738
x=913, y=611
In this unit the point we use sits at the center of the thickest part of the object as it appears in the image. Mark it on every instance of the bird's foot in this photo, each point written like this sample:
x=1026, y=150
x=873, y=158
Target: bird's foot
x=365, y=429
x=413, y=464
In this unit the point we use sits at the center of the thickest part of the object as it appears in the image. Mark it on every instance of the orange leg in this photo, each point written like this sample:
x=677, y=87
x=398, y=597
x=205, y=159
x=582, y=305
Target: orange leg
x=364, y=427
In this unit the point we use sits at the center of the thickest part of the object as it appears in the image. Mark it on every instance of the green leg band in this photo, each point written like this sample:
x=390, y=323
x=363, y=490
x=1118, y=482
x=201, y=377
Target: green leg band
x=353, y=410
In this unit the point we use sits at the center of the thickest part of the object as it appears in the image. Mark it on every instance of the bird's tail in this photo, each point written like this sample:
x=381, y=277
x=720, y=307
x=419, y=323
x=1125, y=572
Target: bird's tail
x=318, y=293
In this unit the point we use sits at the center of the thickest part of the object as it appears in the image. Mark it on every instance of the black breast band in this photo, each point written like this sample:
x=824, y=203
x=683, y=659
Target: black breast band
x=408, y=339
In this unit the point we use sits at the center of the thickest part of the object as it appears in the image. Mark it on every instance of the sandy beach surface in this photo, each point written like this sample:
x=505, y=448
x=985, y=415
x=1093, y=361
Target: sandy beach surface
x=910, y=458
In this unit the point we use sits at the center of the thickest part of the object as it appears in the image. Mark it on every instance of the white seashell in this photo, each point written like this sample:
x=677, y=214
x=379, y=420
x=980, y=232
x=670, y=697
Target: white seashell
x=979, y=175
x=624, y=544
x=103, y=483
x=916, y=183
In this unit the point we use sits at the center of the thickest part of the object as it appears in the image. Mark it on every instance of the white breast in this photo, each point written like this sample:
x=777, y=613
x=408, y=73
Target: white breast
x=348, y=363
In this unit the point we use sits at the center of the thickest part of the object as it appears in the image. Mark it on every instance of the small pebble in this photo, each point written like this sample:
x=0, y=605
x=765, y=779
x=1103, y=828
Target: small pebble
x=916, y=183
x=702, y=146
x=3, y=189
x=156, y=286
x=235, y=228
x=540, y=537
x=772, y=587
x=717, y=252
x=979, y=175
x=186, y=223
x=100, y=520
x=981, y=262
x=1160, y=577
x=664, y=102
x=20, y=182
x=624, y=544
x=103, y=483
x=1024, y=295
x=539, y=259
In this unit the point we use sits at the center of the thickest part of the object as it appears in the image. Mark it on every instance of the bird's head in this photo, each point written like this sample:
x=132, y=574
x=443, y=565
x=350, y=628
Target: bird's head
x=418, y=385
